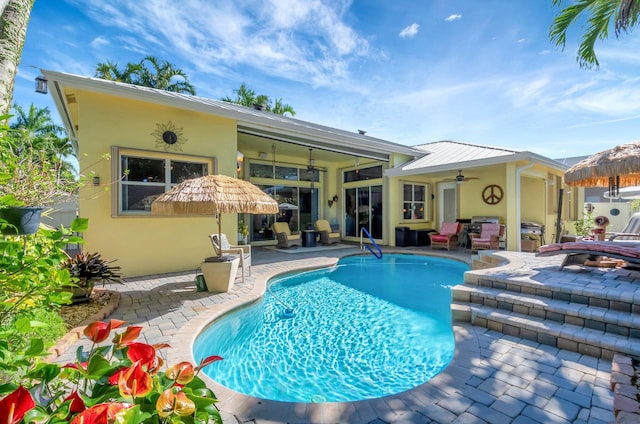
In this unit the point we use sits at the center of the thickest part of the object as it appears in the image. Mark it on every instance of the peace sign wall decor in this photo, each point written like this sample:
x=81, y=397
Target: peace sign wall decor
x=492, y=194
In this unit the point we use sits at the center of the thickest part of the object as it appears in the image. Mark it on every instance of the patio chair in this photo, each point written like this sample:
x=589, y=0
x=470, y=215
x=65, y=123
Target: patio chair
x=223, y=247
x=631, y=231
x=488, y=239
x=284, y=236
x=327, y=235
x=447, y=237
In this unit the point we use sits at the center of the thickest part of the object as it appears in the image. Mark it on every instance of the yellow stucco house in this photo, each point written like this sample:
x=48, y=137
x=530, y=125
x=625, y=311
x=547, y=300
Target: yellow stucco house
x=136, y=142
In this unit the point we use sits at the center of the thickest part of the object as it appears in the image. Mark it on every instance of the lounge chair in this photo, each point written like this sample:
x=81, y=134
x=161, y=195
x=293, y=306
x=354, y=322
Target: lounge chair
x=580, y=251
x=631, y=231
x=223, y=247
x=284, y=236
x=488, y=239
x=447, y=237
x=327, y=235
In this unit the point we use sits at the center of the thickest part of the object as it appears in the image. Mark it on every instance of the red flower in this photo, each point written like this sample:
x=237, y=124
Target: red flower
x=146, y=355
x=131, y=333
x=77, y=404
x=102, y=413
x=115, y=377
x=182, y=373
x=98, y=331
x=15, y=405
x=135, y=382
x=81, y=366
x=208, y=360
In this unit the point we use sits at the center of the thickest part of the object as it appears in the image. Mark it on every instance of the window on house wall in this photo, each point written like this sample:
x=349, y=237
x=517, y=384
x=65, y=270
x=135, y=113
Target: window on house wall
x=363, y=174
x=414, y=205
x=145, y=178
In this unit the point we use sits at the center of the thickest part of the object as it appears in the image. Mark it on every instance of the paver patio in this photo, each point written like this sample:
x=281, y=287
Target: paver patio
x=493, y=378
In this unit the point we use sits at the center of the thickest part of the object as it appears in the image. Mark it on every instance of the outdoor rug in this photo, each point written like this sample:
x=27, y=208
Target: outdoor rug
x=318, y=248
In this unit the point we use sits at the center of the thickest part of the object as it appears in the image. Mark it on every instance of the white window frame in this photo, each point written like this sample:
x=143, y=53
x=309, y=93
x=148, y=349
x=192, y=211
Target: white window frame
x=414, y=203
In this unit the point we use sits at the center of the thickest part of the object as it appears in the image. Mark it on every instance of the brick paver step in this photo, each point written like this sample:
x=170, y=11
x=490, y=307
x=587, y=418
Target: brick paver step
x=566, y=336
x=591, y=316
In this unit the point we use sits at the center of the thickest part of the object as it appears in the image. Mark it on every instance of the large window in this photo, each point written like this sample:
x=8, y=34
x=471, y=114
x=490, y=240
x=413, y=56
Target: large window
x=296, y=191
x=145, y=177
x=414, y=204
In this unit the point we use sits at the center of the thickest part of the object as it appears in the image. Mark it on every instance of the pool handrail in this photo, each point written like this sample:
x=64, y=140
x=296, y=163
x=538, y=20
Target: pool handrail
x=377, y=254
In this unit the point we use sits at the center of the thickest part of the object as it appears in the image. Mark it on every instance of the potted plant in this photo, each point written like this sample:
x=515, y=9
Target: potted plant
x=584, y=226
x=86, y=269
x=243, y=232
x=30, y=180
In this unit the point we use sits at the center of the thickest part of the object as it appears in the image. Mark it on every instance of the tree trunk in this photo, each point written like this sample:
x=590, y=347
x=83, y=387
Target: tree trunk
x=13, y=31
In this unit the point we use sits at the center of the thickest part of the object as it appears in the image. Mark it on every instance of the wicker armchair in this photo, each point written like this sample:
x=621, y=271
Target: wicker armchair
x=447, y=237
x=284, y=236
x=327, y=236
x=488, y=239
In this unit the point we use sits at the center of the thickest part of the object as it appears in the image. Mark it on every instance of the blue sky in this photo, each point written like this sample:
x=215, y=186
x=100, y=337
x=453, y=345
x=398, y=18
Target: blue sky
x=408, y=71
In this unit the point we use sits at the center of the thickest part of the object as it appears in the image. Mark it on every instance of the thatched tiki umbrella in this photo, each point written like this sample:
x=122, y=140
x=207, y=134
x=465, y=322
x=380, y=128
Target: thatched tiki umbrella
x=214, y=194
x=613, y=168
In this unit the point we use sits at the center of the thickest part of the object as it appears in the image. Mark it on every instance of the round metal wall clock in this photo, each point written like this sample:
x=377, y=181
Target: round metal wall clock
x=168, y=137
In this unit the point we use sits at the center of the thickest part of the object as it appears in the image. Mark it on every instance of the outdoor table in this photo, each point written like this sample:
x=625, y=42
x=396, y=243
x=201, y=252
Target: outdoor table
x=309, y=238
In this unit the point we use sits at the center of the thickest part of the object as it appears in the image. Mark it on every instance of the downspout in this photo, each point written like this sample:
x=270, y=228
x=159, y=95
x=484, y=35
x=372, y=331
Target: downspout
x=518, y=205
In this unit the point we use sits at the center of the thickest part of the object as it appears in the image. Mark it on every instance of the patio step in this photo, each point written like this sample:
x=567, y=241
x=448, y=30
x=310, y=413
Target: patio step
x=560, y=311
x=586, y=341
x=594, y=319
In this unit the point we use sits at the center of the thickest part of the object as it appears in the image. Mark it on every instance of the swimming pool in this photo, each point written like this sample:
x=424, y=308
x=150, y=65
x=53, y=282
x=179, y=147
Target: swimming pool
x=364, y=329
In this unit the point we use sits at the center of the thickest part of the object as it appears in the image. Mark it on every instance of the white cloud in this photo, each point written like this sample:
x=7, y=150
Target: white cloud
x=452, y=18
x=522, y=40
x=98, y=42
x=410, y=31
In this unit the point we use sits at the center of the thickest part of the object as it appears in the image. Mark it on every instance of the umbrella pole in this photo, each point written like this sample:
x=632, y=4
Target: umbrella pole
x=559, y=216
x=220, y=234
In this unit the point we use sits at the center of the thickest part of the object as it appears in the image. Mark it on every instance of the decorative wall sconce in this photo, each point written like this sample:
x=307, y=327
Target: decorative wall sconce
x=333, y=200
x=41, y=85
x=95, y=180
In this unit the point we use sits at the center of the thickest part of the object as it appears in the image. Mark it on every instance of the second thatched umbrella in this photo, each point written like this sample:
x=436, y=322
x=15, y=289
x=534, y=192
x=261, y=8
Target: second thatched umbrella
x=613, y=168
x=214, y=195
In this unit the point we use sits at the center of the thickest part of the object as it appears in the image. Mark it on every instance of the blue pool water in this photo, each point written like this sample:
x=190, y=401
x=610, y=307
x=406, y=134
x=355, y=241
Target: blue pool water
x=364, y=329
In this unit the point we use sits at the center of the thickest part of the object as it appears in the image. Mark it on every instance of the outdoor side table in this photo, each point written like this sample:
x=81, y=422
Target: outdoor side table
x=309, y=238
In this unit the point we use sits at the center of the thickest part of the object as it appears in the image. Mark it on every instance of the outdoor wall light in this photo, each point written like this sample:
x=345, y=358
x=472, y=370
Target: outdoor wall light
x=95, y=180
x=41, y=85
x=333, y=200
x=262, y=155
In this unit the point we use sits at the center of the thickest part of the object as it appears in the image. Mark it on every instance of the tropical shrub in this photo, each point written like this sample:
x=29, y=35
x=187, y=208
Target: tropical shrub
x=31, y=278
x=121, y=382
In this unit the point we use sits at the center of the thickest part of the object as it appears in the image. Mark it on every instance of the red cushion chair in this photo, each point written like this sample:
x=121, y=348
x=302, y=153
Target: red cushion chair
x=447, y=237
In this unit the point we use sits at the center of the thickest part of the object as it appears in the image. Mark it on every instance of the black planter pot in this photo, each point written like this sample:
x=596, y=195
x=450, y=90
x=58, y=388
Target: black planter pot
x=25, y=220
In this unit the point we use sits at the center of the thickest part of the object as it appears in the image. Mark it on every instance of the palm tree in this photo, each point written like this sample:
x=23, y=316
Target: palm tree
x=244, y=96
x=164, y=76
x=161, y=75
x=36, y=129
x=247, y=97
x=109, y=71
x=14, y=18
x=625, y=14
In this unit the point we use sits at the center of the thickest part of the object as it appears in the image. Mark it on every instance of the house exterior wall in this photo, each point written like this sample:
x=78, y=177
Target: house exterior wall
x=146, y=244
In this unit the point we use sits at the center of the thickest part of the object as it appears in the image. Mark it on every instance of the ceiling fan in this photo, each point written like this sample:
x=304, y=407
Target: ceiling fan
x=461, y=178
x=311, y=165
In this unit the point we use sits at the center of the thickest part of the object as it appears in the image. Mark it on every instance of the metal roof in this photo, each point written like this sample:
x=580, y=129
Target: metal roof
x=249, y=120
x=452, y=155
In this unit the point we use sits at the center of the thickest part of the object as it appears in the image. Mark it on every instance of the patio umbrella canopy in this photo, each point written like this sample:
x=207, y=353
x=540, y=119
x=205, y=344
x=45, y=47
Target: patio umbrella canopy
x=613, y=168
x=214, y=195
